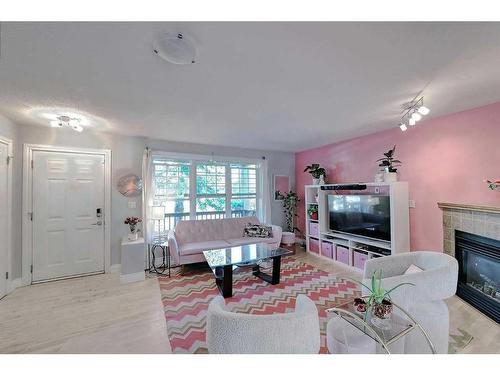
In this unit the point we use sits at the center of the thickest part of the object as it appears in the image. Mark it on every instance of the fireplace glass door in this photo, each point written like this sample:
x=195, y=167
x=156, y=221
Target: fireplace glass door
x=483, y=274
x=479, y=272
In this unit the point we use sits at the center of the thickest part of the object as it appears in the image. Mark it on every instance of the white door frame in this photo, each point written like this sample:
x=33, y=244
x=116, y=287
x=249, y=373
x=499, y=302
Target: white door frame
x=8, y=142
x=28, y=203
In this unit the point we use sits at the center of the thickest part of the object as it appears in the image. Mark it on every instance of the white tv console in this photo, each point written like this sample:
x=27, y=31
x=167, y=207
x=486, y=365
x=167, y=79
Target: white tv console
x=353, y=250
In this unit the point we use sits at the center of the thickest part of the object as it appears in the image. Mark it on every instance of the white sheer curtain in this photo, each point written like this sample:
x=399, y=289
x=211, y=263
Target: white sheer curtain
x=264, y=213
x=147, y=195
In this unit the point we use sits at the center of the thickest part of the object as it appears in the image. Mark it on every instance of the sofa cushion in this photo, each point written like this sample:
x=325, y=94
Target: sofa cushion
x=189, y=231
x=198, y=247
x=258, y=230
x=234, y=228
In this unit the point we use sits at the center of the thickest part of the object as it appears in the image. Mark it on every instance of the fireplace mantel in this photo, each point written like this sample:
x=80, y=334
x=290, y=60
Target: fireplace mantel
x=479, y=220
x=469, y=207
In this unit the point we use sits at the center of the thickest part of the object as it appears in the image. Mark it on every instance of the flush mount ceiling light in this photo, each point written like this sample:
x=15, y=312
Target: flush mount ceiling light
x=175, y=48
x=413, y=112
x=66, y=121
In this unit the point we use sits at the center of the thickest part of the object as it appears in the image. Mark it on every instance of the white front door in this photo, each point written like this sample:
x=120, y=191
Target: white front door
x=4, y=153
x=68, y=210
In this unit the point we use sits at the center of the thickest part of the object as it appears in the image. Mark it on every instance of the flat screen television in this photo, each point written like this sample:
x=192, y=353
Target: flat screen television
x=363, y=215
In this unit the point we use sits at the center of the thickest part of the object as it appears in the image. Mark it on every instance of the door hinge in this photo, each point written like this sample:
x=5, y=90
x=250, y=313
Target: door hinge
x=31, y=269
x=32, y=163
x=6, y=275
x=30, y=215
x=9, y=158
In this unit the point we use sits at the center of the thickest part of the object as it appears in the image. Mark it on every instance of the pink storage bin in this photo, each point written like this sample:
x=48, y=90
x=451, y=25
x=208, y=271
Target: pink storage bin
x=359, y=259
x=343, y=254
x=327, y=249
x=314, y=245
x=314, y=229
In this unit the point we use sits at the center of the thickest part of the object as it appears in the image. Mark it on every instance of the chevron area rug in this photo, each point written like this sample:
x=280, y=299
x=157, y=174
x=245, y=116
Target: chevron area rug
x=186, y=297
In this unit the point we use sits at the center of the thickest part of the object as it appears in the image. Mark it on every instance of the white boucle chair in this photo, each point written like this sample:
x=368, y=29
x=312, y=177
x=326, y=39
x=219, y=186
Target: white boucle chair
x=240, y=333
x=424, y=301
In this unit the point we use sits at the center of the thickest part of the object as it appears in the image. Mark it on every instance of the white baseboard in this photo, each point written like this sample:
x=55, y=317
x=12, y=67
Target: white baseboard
x=14, y=284
x=132, y=277
x=115, y=268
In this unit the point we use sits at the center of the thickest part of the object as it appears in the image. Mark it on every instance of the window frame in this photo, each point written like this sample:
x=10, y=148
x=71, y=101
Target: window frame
x=195, y=159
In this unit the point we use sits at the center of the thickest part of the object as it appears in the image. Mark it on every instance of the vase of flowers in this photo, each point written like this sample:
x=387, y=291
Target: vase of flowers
x=388, y=165
x=132, y=223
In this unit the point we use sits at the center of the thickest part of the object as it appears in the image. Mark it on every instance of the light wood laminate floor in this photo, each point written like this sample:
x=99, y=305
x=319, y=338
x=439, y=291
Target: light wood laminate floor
x=93, y=314
x=485, y=331
x=97, y=314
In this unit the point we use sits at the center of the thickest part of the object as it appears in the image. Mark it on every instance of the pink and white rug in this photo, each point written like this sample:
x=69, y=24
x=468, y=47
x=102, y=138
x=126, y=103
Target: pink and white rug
x=186, y=297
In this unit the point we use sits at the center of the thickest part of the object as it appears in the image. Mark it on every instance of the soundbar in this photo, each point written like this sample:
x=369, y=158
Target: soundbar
x=345, y=187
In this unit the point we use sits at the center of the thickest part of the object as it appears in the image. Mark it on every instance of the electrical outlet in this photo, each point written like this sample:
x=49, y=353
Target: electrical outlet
x=411, y=203
x=132, y=204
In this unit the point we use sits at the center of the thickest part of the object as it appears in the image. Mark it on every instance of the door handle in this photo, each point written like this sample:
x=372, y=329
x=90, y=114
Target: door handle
x=98, y=223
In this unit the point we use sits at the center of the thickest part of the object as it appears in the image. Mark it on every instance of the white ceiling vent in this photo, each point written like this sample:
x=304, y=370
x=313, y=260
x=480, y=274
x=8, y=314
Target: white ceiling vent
x=175, y=48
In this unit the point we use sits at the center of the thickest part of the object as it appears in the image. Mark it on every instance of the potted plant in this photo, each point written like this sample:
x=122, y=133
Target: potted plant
x=132, y=222
x=317, y=172
x=378, y=301
x=312, y=211
x=290, y=201
x=493, y=184
x=389, y=164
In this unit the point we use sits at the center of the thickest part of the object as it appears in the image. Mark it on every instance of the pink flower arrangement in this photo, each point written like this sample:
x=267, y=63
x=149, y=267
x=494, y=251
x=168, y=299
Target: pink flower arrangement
x=132, y=222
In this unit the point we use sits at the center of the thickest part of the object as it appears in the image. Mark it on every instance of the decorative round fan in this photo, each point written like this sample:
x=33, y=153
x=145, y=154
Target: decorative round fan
x=130, y=185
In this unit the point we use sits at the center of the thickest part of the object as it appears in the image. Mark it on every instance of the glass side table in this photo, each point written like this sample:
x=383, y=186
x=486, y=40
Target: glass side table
x=399, y=324
x=162, y=250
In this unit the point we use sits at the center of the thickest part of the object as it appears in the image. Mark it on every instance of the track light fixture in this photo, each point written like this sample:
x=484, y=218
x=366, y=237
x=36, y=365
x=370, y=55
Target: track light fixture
x=413, y=113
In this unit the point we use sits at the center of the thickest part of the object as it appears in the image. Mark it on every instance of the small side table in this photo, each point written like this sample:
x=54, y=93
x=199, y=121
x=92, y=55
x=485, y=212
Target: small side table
x=162, y=251
x=401, y=325
x=132, y=268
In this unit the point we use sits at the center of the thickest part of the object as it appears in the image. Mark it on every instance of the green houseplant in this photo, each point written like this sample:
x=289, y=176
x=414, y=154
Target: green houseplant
x=317, y=172
x=389, y=164
x=378, y=300
x=312, y=211
x=290, y=201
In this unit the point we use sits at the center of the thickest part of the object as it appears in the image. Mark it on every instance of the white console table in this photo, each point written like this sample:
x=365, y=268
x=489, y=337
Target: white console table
x=133, y=253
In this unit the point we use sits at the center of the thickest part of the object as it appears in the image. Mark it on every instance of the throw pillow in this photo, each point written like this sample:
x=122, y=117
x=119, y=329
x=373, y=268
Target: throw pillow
x=413, y=269
x=258, y=230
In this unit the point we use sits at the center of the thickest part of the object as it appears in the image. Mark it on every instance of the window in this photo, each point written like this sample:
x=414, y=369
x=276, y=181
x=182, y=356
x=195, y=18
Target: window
x=243, y=190
x=171, y=190
x=210, y=191
x=198, y=189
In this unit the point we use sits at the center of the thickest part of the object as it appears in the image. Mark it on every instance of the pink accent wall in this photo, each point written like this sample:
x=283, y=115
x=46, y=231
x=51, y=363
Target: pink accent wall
x=445, y=159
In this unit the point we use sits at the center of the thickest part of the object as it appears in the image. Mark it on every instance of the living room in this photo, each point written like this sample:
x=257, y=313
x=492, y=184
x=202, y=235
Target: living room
x=189, y=186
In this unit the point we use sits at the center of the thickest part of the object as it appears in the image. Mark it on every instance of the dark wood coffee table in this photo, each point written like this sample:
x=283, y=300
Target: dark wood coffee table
x=223, y=261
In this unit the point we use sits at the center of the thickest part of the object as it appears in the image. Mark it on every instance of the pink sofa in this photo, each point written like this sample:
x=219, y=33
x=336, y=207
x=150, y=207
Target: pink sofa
x=190, y=237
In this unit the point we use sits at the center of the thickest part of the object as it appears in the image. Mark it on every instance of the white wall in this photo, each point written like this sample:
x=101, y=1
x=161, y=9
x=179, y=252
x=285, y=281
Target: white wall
x=126, y=158
x=9, y=130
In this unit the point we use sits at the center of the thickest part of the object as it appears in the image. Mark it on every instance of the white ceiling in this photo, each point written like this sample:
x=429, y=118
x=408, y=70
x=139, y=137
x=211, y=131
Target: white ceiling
x=280, y=86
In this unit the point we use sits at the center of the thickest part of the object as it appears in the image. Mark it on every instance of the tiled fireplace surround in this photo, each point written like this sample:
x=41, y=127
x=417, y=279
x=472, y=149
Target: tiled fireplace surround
x=479, y=220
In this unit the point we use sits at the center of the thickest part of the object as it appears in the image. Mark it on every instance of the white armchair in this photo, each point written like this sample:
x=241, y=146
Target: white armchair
x=424, y=301
x=238, y=333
